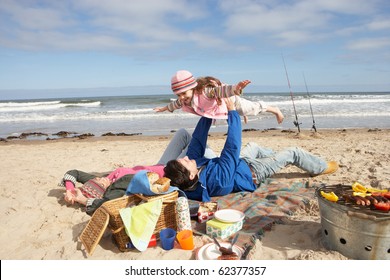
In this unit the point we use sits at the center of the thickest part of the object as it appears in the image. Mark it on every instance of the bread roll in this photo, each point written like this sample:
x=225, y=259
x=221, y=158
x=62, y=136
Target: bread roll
x=161, y=185
x=152, y=177
x=157, y=184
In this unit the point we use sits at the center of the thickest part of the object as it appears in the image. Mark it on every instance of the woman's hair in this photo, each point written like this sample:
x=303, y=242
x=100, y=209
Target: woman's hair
x=179, y=175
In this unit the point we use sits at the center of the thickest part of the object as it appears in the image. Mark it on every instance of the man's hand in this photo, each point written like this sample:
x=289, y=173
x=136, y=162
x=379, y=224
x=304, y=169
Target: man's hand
x=230, y=103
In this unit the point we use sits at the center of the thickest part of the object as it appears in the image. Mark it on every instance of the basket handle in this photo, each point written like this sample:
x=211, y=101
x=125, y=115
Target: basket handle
x=169, y=201
x=117, y=230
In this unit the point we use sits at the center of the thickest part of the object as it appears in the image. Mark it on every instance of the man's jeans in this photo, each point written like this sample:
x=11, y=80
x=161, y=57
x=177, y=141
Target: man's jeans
x=265, y=162
x=178, y=147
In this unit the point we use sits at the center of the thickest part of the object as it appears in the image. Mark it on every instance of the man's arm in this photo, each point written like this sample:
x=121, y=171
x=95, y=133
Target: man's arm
x=198, y=142
x=224, y=168
x=231, y=151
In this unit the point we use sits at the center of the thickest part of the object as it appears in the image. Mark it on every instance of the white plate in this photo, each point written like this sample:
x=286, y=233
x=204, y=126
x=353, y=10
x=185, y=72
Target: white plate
x=201, y=253
x=229, y=215
x=210, y=251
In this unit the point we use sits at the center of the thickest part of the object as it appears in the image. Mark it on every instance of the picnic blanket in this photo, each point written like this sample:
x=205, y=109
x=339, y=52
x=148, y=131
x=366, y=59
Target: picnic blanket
x=274, y=200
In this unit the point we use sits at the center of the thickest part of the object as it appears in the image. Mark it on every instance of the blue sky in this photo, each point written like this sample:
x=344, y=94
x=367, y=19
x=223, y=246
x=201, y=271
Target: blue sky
x=337, y=44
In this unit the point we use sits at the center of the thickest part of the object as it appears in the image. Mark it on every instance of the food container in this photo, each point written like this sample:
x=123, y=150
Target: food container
x=218, y=229
x=183, y=217
x=206, y=211
x=356, y=231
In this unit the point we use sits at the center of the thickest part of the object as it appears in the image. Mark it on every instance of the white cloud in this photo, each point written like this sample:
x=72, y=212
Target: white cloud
x=117, y=22
x=155, y=20
x=36, y=41
x=32, y=17
x=128, y=25
x=293, y=37
x=300, y=22
x=379, y=24
x=369, y=44
x=347, y=7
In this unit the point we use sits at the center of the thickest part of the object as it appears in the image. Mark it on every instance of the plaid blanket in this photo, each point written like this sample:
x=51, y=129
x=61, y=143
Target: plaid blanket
x=274, y=200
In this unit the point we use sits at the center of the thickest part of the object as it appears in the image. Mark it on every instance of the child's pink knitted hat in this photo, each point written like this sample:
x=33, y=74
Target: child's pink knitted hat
x=182, y=81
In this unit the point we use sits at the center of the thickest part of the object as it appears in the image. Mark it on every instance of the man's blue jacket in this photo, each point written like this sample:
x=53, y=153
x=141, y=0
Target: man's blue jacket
x=221, y=175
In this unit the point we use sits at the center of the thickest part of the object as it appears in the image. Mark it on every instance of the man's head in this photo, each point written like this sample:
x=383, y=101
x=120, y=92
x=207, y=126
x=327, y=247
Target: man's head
x=182, y=172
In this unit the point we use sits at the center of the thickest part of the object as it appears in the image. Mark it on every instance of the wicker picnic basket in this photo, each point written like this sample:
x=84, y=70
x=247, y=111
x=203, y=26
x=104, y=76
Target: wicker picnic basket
x=108, y=215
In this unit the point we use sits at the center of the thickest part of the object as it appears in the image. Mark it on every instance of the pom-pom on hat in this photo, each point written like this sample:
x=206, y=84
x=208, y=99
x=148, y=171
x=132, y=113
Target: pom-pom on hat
x=182, y=81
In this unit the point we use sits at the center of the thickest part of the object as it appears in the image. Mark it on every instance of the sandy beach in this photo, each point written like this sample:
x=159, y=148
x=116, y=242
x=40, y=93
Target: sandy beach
x=38, y=225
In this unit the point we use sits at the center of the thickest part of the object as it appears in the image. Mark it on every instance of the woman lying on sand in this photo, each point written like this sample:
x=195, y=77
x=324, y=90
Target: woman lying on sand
x=97, y=190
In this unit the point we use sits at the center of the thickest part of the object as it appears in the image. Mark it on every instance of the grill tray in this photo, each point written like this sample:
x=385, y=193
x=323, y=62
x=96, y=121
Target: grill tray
x=344, y=205
x=356, y=231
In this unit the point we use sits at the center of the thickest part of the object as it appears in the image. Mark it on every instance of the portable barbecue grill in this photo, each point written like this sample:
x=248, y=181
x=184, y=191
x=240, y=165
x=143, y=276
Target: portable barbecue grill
x=356, y=231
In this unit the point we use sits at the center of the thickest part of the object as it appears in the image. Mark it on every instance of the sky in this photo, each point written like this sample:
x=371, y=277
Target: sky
x=58, y=47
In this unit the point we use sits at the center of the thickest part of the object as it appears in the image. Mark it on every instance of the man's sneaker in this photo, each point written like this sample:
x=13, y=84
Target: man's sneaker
x=332, y=167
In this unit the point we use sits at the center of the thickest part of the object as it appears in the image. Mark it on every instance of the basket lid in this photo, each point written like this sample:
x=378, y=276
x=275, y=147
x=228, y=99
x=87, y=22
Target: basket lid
x=94, y=230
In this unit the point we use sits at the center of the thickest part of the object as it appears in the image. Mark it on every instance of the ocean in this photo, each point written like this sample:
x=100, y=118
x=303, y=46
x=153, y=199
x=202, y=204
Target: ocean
x=135, y=115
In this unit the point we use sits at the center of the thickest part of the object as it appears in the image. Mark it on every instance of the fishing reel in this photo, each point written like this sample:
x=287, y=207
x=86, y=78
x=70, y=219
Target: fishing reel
x=296, y=123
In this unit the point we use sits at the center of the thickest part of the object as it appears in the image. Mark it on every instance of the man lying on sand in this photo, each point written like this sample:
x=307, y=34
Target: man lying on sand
x=202, y=178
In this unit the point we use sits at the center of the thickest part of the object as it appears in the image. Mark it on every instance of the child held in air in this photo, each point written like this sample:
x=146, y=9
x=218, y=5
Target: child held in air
x=204, y=97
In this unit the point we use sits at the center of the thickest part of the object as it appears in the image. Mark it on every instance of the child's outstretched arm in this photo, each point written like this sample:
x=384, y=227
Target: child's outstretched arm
x=240, y=86
x=225, y=91
x=160, y=109
x=174, y=105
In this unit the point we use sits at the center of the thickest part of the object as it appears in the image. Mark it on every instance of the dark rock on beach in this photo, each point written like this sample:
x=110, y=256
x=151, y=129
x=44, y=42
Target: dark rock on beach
x=28, y=134
x=249, y=129
x=64, y=133
x=108, y=134
x=83, y=136
x=287, y=131
x=120, y=134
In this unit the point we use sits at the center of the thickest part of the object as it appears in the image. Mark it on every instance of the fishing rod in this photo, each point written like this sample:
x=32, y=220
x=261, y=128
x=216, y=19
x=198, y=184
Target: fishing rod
x=311, y=109
x=296, y=123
